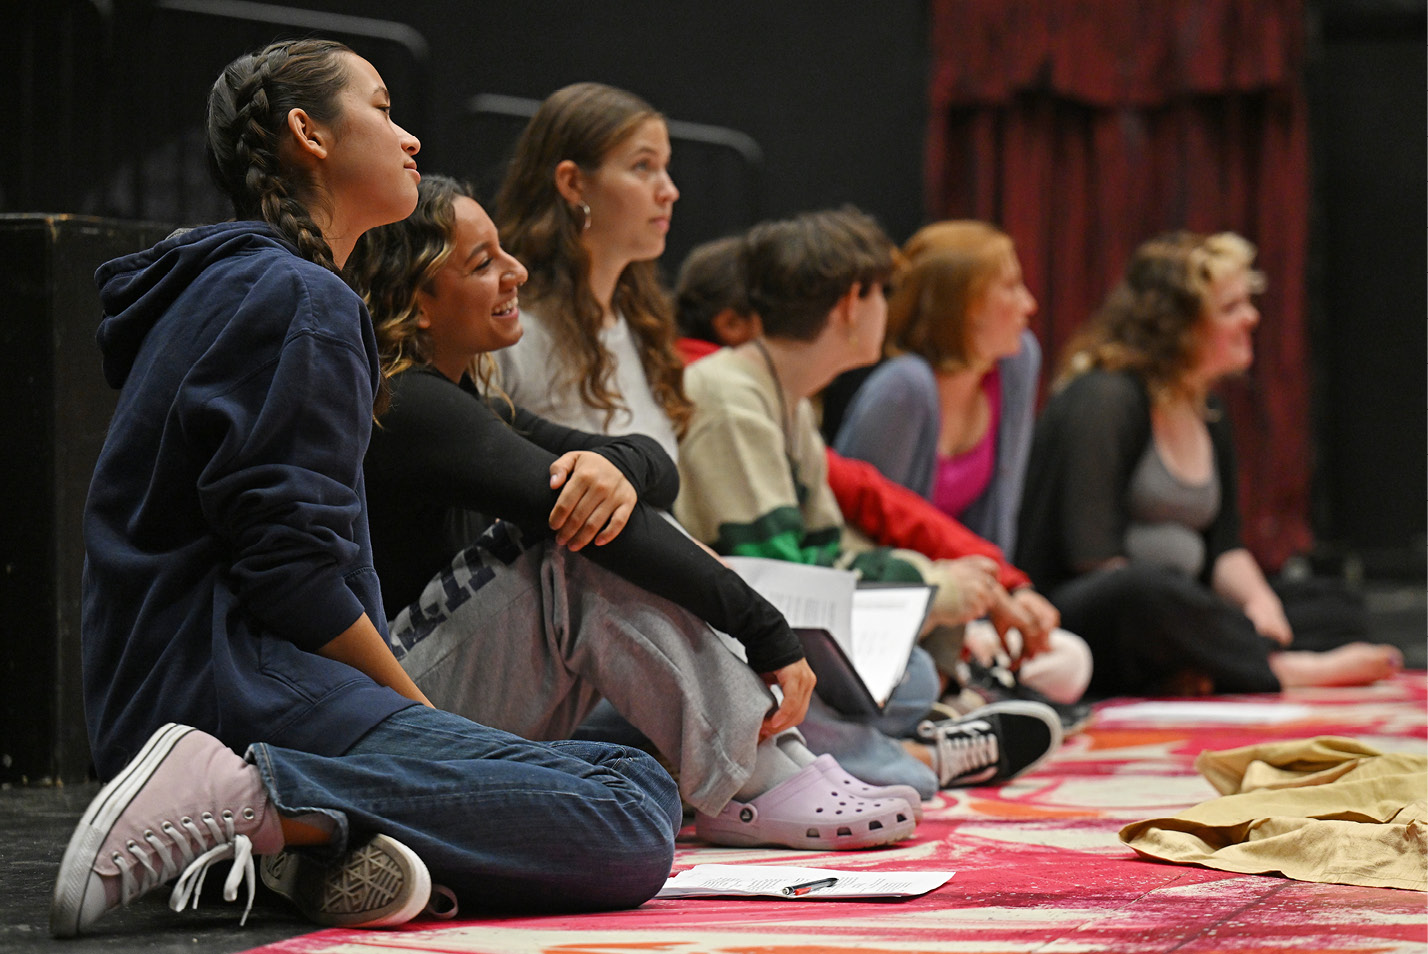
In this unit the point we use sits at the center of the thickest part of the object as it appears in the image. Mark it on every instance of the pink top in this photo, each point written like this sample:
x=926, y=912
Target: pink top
x=962, y=478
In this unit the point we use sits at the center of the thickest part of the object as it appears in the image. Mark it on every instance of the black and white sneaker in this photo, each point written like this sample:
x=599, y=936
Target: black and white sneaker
x=378, y=883
x=992, y=744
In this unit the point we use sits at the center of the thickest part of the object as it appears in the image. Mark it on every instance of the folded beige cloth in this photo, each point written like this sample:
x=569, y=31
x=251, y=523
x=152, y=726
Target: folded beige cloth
x=1327, y=809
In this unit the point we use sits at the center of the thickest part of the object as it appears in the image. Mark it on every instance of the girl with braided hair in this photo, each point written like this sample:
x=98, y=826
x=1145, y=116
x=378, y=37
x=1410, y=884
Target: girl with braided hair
x=230, y=603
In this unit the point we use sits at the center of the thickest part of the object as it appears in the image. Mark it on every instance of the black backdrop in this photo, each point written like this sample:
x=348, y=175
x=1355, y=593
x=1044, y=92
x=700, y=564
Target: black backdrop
x=105, y=100
x=831, y=91
x=1366, y=284
x=797, y=104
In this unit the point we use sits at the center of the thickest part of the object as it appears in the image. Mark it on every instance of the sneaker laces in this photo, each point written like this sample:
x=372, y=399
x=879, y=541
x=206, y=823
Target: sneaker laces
x=961, y=749
x=198, y=849
x=190, y=883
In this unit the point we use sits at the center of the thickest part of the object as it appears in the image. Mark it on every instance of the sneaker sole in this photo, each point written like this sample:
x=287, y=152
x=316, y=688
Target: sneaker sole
x=96, y=824
x=342, y=893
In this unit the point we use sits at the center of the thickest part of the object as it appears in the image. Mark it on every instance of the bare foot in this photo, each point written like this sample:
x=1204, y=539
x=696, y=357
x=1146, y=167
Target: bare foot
x=1357, y=664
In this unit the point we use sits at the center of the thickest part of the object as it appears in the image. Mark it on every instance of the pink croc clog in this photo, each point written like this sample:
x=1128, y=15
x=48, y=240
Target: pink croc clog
x=838, y=775
x=808, y=811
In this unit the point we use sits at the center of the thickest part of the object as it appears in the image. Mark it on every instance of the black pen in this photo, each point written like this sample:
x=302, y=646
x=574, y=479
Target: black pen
x=799, y=890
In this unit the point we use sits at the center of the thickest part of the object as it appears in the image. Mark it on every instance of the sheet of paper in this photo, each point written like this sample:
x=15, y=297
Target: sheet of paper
x=791, y=883
x=809, y=597
x=876, y=626
x=886, y=623
x=1191, y=712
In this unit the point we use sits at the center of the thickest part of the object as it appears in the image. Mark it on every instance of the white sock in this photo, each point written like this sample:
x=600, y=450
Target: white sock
x=792, y=745
x=771, y=766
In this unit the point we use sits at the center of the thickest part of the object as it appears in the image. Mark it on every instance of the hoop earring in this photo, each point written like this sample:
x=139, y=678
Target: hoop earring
x=584, y=216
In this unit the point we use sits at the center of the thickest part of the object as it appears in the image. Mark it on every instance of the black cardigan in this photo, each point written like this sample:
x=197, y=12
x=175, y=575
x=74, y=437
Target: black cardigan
x=1088, y=441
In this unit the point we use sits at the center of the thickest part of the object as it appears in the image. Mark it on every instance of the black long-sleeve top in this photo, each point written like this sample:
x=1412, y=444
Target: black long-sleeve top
x=444, y=461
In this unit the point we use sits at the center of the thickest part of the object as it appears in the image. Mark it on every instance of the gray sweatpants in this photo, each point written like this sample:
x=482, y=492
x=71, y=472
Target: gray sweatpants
x=529, y=639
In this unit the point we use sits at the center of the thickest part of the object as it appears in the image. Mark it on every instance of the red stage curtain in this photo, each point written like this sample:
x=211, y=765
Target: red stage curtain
x=1083, y=127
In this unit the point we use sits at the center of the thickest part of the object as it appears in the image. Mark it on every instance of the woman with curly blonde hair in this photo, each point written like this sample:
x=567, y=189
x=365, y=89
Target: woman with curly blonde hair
x=1129, y=520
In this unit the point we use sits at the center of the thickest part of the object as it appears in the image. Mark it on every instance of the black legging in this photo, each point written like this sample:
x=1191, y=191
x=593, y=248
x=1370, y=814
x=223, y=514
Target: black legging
x=1146, y=626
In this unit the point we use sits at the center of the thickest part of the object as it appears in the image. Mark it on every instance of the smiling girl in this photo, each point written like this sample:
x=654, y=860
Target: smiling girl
x=531, y=574
x=230, y=603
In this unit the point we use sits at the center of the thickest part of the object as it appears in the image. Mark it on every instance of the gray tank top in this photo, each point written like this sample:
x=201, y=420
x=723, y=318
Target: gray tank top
x=1167, y=515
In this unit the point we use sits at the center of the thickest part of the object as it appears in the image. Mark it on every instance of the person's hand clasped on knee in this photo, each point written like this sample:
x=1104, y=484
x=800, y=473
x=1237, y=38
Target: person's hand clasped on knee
x=1032, y=616
x=595, y=499
x=971, y=584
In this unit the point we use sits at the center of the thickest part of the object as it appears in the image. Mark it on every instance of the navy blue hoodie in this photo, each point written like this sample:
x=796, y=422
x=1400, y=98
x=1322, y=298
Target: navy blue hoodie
x=226, y=534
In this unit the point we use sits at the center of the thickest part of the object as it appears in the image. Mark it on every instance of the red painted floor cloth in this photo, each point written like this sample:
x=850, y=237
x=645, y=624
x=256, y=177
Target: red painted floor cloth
x=1038, y=865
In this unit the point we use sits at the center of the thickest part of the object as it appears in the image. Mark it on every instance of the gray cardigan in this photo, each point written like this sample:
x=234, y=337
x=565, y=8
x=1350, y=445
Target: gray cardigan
x=894, y=420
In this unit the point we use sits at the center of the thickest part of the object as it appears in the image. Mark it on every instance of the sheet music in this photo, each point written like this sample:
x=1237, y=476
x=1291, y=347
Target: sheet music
x=885, y=625
x=876, y=626
x=809, y=597
x=709, y=881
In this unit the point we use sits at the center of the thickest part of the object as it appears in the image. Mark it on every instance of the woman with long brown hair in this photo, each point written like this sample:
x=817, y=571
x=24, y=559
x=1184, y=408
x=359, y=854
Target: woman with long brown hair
x=586, y=205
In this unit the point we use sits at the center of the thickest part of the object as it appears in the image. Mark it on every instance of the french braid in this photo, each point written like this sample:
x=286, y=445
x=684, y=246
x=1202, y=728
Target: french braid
x=247, y=112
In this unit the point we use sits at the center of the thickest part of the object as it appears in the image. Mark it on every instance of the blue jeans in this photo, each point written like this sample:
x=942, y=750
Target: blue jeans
x=506, y=823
